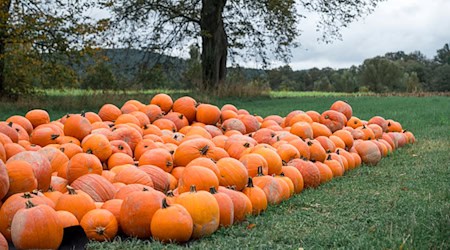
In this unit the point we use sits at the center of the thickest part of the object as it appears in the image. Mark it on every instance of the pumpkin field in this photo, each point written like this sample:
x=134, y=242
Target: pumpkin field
x=289, y=171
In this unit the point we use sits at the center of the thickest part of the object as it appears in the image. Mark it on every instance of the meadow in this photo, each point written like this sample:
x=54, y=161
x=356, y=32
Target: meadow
x=402, y=203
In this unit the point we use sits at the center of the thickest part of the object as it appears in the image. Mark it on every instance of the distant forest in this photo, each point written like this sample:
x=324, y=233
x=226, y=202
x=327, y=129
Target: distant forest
x=126, y=69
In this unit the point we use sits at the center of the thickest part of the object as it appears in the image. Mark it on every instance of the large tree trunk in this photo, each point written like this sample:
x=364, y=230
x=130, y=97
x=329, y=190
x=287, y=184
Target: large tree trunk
x=4, y=16
x=214, y=44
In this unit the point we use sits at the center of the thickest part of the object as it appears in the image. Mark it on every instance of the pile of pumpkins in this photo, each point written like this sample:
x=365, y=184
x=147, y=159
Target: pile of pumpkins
x=171, y=170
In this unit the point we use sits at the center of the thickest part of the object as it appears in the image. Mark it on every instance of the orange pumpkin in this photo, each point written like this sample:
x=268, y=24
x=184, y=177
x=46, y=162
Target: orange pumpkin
x=342, y=107
x=96, y=186
x=4, y=180
x=310, y=173
x=257, y=197
x=75, y=201
x=172, y=223
x=187, y=106
x=98, y=145
x=232, y=173
x=77, y=126
x=99, y=225
x=204, y=210
x=203, y=179
x=37, y=117
x=163, y=101
x=36, y=227
x=226, y=207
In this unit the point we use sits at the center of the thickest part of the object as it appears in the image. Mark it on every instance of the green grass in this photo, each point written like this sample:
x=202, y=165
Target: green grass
x=403, y=202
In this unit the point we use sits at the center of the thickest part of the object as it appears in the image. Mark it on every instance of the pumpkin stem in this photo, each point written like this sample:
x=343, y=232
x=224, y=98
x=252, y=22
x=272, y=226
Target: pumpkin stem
x=120, y=147
x=100, y=230
x=282, y=174
x=10, y=124
x=310, y=143
x=204, y=150
x=327, y=117
x=181, y=116
x=89, y=151
x=250, y=182
x=145, y=189
x=83, y=113
x=284, y=162
x=329, y=157
x=164, y=203
x=29, y=204
x=193, y=189
x=62, y=149
x=168, y=164
x=71, y=190
x=232, y=187
x=260, y=171
x=247, y=145
x=213, y=190
x=27, y=195
x=338, y=152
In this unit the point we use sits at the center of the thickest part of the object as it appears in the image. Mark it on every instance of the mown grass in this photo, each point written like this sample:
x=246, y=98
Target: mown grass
x=403, y=202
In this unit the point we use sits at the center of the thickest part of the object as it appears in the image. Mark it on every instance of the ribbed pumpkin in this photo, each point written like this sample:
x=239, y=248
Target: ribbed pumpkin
x=336, y=167
x=270, y=186
x=326, y=174
x=4, y=180
x=302, y=148
x=125, y=190
x=99, y=225
x=172, y=223
x=310, y=173
x=204, y=210
x=160, y=178
x=41, y=167
x=133, y=175
x=96, y=186
x=114, y=206
x=75, y=201
x=232, y=173
x=137, y=212
x=202, y=178
x=36, y=227
x=22, y=121
x=256, y=196
x=343, y=108
x=127, y=134
x=207, y=163
x=21, y=177
x=81, y=164
x=13, y=204
x=226, y=207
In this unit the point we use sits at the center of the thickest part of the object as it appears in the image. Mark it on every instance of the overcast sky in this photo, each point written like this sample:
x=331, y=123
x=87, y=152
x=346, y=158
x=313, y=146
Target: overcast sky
x=406, y=25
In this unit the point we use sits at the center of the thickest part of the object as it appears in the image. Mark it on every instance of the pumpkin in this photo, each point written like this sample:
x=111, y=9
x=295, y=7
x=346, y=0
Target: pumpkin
x=98, y=145
x=295, y=176
x=192, y=149
x=96, y=186
x=369, y=152
x=41, y=167
x=113, y=206
x=203, y=178
x=233, y=124
x=336, y=167
x=163, y=101
x=302, y=147
x=334, y=120
x=70, y=149
x=137, y=211
x=67, y=219
x=37, y=117
x=160, y=178
x=109, y=112
x=77, y=126
x=270, y=186
x=317, y=152
x=274, y=161
x=226, y=207
x=187, y=106
x=15, y=203
x=21, y=177
x=81, y=164
x=204, y=210
x=4, y=180
x=232, y=173
x=36, y=227
x=21, y=121
x=123, y=191
x=133, y=175
x=127, y=134
x=302, y=129
x=99, y=225
x=159, y=157
x=242, y=205
x=208, y=114
x=257, y=197
x=56, y=157
x=75, y=201
x=207, y=163
x=252, y=161
x=44, y=135
x=320, y=129
x=172, y=223
x=342, y=107
x=310, y=173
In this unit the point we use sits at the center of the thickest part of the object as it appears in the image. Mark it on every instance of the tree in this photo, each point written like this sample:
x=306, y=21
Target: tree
x=261, y=28
x=380, y=75
x=443, y=55
x=36, y=29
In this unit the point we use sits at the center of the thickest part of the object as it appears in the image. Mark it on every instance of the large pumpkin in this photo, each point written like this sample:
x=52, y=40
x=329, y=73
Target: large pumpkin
x=36, y=227
x=4, y=180
x=204, y=210
x=75, y=201
x=99, y=225
x=172, y=223
x=137, y=212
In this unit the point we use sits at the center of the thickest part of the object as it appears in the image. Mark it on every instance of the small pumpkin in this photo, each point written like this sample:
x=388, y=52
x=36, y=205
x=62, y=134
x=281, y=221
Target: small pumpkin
x=99, y=225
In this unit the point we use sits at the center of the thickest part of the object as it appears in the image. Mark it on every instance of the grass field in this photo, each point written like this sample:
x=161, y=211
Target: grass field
x=402, y=203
